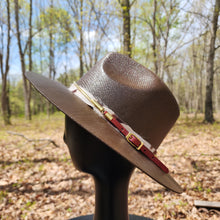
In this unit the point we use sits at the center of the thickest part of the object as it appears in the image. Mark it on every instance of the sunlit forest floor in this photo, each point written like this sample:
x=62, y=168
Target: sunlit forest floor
x=39, y=181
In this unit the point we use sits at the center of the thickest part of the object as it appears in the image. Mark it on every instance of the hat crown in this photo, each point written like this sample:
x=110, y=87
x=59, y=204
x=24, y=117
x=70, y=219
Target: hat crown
x=136, y=95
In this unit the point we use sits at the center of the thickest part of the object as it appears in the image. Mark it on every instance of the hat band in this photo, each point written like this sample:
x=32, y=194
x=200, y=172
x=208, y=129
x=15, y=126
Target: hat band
x=133, y=138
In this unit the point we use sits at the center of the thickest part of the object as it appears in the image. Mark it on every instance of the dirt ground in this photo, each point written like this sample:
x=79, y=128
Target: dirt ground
x=39, y=181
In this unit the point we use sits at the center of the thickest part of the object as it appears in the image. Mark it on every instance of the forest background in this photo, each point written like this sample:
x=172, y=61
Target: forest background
x=178, y=40
x=62, y=40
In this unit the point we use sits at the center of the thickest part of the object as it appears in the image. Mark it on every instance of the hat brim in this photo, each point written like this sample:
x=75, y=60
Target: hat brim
x=78, y=111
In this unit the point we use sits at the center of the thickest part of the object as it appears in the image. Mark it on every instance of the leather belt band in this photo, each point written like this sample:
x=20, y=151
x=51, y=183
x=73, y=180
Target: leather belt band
x=130, y=137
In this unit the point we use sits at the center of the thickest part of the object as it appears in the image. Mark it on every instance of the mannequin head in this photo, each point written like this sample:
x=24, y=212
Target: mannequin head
x=91, y=155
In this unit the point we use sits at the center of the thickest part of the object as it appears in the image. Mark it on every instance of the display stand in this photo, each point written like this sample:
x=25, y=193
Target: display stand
x=131, y=217
x=111, y=173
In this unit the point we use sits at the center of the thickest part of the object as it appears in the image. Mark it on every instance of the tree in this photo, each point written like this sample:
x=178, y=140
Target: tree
x=210, y=65
x=54, y=22
x=30, y=37
x=154, y=34
x=26, y=83
x=4, y=65
x=164, y=31
x=126, y=6
x=91, y=23
x=78, y=17
x=97, y=23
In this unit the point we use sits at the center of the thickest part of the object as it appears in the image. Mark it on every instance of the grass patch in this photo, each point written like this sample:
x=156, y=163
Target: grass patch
x=39, y=124
x=188, y=124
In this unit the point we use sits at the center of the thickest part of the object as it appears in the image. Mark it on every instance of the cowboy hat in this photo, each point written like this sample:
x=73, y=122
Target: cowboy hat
x=123, y=104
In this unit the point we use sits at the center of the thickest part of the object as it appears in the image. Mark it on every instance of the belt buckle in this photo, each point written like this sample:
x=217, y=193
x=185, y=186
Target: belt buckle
x=130, y=142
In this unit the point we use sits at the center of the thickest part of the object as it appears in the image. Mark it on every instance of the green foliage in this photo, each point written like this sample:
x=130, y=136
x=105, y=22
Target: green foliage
x=58, y=22
x=198, y=187
x=17, y=99
x=164, y=28
x=3, y=194
x=38, y=103
x=182, y=65
x=69, y=210
x=28, y=205
x=68, y=78
x=158, y=197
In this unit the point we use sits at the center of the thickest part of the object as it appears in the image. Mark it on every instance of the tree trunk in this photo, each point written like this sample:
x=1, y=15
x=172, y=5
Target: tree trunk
x=30, y=54
x=81, y=47
x=50, y=66
x=5, y=105
x=210, y=66
x=30, y=37
x=26, y=84
x=154, y=45
x=78, y=15
x=216, y=92
x=52, y=72
x=125, y=5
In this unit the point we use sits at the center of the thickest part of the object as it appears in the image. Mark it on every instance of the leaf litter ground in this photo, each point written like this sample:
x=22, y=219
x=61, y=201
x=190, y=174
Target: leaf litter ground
x=39, y=181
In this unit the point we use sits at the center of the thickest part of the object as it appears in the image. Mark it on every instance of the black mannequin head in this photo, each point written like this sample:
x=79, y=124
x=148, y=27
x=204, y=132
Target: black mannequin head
x=91, y=155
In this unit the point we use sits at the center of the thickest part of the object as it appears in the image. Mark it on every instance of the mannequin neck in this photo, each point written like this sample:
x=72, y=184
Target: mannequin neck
x=111, y=198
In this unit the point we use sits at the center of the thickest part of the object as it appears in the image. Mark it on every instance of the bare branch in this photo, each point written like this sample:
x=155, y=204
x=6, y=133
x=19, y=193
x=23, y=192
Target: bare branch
x=185, y=43
x=132, y=2
x=33, y=140
x=98, y=18
x=216, y=48
x=198, y=14
x=216, y=69
x=33, y=34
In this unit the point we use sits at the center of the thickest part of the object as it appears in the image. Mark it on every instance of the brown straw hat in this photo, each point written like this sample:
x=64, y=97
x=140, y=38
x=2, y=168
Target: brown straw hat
x=135, y=96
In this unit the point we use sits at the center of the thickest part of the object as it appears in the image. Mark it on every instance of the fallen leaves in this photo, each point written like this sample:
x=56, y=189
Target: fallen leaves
x=40, y=182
